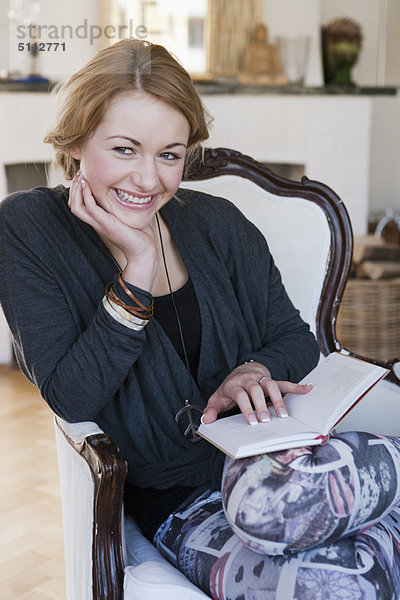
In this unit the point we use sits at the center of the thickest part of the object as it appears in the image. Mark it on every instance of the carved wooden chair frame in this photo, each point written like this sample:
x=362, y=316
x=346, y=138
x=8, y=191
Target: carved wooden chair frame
x=107, y=466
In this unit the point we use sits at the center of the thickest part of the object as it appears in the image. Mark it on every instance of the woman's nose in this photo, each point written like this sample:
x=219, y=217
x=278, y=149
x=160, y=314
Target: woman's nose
x=145, y=175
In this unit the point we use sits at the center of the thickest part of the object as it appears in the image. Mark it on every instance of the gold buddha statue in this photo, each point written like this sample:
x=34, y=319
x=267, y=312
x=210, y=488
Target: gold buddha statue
x=261, y=62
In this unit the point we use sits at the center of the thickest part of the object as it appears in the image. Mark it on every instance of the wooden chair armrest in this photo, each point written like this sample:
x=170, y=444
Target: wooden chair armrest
x=108, y=470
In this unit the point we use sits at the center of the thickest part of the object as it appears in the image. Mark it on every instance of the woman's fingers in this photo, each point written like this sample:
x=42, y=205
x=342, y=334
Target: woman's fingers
x=79, y=200
x=251, y=402
x=89, y=210
x=84, y=206
x=256, y=407
x=271, y=389
x=211, y=412
x=275, y=389
x=249, y=391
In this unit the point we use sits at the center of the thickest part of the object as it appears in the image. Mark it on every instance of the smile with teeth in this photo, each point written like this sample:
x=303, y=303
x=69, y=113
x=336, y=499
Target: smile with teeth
x=132, y=199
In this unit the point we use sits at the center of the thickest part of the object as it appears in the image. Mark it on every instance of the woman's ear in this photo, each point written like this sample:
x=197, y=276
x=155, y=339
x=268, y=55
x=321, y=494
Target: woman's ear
x=75, y=152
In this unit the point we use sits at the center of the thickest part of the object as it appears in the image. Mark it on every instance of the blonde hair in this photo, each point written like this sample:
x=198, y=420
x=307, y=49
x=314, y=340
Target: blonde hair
x=127, y=66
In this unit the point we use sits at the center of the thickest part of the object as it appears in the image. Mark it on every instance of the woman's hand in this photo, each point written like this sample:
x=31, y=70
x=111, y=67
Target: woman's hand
x=247, y=386
x=137, y=245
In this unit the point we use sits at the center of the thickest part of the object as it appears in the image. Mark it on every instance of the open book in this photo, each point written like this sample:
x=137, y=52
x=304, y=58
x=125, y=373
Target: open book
x=339, y=382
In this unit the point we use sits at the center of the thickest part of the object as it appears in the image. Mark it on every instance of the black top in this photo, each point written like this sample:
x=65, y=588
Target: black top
x=189, y=317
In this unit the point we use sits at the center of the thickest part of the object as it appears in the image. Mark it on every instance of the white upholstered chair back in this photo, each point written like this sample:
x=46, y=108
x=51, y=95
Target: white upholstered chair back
x=305, y=224
x=297, y=232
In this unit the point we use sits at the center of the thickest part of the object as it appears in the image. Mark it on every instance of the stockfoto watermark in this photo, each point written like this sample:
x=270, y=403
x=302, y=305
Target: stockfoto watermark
x=85, y=31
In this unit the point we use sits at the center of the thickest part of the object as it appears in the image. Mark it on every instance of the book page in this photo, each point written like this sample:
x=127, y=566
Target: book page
x=339, y=381
x=237, y=438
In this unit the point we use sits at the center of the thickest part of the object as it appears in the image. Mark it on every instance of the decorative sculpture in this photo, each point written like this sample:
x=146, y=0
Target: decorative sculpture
x=341, y=45
x=261, y=62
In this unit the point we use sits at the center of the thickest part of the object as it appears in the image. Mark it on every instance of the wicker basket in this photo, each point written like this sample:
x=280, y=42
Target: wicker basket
x=369, y=318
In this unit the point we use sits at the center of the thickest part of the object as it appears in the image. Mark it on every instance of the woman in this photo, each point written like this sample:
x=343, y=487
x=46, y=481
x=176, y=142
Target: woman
x=131, y=302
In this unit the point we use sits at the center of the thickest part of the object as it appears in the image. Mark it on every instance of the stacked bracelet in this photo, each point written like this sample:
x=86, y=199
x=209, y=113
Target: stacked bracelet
x=133, y=316
x=123, y=316
x=139, y=309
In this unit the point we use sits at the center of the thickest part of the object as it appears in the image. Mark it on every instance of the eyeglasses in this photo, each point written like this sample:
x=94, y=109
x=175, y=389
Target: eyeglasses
x=191, y=429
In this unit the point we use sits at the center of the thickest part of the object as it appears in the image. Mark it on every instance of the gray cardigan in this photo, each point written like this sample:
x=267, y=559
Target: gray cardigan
x=87, y=366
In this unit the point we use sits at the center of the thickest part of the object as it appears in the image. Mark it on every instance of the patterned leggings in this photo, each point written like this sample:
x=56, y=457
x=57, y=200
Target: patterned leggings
x=320, y=523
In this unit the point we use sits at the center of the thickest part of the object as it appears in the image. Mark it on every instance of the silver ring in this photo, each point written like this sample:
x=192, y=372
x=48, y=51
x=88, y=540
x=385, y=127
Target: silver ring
x=262, y=379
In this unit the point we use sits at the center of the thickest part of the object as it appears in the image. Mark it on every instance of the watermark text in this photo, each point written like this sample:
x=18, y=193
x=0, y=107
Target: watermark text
x=85, y=31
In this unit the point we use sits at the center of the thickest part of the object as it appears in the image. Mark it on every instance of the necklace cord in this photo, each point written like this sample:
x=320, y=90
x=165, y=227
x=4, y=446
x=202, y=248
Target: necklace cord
x=175, y=308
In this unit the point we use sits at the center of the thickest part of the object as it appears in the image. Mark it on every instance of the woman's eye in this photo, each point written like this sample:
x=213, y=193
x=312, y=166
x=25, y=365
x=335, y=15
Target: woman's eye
x=169, y=156
x=123, y=150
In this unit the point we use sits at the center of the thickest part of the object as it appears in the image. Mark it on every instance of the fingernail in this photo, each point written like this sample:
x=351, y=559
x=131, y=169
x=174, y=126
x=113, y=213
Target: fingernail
x=83, y=182
x=252, y=420
x=264, y=418
x=282, y=413
x=78, y=173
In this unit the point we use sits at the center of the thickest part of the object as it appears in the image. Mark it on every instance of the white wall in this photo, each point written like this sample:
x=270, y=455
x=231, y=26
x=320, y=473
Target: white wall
x=4, y=59
x=292, y=18
x=385, y=154
x=392, y=50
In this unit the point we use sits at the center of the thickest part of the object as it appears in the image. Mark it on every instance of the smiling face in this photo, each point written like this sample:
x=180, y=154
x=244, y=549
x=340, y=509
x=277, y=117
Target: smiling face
x=134, y=160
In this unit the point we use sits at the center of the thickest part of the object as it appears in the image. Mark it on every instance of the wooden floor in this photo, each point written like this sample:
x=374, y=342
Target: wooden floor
x=31, y=543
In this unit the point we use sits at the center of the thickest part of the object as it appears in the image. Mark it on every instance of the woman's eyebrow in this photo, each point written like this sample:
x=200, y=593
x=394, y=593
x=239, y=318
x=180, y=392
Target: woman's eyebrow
x=176, y=144
x=136, y=143
x=124, y=137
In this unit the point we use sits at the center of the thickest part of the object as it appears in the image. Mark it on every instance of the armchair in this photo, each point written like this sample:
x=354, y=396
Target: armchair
x=309, y=233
